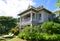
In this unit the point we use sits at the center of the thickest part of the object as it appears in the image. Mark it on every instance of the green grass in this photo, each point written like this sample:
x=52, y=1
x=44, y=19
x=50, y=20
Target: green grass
x=12, y=39
x=9, y=39
x=15, y=39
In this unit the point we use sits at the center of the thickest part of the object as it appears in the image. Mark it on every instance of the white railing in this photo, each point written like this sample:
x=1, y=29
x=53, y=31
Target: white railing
x=25, y=21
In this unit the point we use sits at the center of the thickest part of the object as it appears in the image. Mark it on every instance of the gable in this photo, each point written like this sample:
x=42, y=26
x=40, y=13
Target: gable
x=45, y=10
x=31, y=9
x=36, y=10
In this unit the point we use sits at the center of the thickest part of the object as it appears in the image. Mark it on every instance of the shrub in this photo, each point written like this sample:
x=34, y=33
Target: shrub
x=49, y=32
x=39, y=36
x=58, y=36
x=21, y=35
x=25, y=36
x=30, y=36
x=30, y=33
x=30, y=29
x=49, y=37
x=51, y=27
x=15, y=30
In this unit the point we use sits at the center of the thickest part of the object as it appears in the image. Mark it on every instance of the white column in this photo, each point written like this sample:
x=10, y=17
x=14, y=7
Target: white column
x=20, y=24
x=35, y=16
x=31, y=17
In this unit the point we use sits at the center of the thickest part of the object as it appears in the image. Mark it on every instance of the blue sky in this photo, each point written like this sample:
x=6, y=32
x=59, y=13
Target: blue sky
x=49, y=4
x=14, y=7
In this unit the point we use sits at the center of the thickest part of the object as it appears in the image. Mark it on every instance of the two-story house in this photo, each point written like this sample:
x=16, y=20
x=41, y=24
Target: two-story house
x=35, y=16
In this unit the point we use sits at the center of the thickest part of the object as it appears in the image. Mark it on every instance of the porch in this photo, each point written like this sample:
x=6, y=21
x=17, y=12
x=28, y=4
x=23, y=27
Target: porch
x=27, y=19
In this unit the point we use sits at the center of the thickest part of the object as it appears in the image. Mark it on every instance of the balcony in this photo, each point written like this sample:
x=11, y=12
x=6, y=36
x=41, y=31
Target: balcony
x=26, y=21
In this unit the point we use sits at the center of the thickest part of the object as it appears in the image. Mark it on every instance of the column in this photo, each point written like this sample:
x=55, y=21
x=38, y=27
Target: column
x=31, y=17
x=20, y=25
x=31, y=21
x=35, y=16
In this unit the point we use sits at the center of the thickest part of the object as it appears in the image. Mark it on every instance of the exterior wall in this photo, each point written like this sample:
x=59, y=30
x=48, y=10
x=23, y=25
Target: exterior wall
x=46, y=16
x=35, y=21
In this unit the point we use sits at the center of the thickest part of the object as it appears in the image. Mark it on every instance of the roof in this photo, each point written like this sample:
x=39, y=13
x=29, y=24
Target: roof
x=36, y=10
x=30, y=9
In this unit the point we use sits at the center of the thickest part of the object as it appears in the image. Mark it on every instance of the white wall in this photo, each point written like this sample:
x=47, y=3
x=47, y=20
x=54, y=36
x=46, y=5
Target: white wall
x=45, y=16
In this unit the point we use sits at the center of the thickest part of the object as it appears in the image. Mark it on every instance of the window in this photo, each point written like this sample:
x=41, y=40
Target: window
x=49, y=19
x=39, y=16
x=33, y=14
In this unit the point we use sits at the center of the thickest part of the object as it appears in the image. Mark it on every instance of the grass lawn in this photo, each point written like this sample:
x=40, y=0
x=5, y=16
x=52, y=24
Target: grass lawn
x=11, y=39
x=15, y=39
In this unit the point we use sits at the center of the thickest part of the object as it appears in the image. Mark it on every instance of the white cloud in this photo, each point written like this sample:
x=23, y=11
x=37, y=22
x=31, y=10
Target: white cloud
x=13, y=7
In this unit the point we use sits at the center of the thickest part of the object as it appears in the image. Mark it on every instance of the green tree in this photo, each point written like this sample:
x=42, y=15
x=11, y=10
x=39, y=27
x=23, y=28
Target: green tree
x=57, y=19
x=57, y=12
x=7, y=22
x=58, y=4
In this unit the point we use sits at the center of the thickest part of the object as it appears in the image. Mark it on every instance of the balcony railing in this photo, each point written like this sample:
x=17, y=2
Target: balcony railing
x=25, y=21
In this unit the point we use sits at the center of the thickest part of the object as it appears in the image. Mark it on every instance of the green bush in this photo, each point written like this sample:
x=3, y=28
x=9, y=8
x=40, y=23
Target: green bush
x=15, y=30
x=30, y=29
x=50, y=32
x=30, y=33
x=30, y=36
x=51, y=27
x=58, y=36
x=25, y=36
x=21, y=35
x=49, y=37
x=39, y=36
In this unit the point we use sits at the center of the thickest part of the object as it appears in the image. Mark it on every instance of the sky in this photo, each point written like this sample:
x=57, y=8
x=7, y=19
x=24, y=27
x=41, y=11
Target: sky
x=14, y=7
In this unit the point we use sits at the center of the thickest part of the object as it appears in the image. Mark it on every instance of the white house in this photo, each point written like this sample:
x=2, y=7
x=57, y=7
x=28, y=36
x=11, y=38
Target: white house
x=35, y=16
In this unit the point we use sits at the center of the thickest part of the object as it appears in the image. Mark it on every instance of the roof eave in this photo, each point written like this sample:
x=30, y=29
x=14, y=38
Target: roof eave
x=30, y=9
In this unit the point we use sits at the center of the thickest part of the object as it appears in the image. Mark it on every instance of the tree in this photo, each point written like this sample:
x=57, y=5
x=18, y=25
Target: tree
x=57, y=19
x=58, y=4
x=7, y=23
x=57, y=12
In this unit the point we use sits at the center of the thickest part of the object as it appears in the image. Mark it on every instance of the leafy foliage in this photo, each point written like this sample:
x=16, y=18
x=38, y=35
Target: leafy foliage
x=30, y=36
x=50, y=32
x=57, y=12
x=15, y=30
x=49, y=37
x=30, y=33
x=40, y=36
x=7, y=24
x=8, y=21
x=51, y=27
x=57, y=19
x=29, y=29
x=58, y=4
